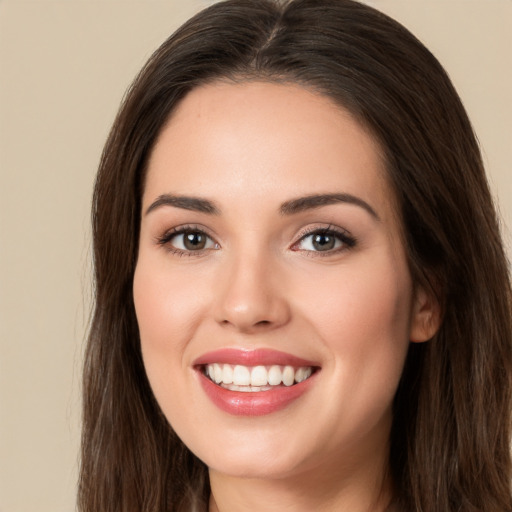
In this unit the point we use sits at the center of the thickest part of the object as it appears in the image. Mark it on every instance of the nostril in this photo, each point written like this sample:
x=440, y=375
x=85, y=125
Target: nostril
x=256, y=326
x=246, y=312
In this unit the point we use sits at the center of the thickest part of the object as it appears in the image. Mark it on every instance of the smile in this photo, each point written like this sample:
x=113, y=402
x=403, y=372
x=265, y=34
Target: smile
x=254, y=382
x=255, y=378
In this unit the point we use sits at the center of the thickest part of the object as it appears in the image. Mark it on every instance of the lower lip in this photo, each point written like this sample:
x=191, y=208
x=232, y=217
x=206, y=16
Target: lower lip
x=240, y=403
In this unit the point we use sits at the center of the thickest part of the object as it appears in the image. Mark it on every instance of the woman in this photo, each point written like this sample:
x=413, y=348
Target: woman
x=302, y=299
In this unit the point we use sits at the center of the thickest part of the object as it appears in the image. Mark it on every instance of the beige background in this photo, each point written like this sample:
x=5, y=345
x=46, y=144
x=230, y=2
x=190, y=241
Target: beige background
x=64, y=66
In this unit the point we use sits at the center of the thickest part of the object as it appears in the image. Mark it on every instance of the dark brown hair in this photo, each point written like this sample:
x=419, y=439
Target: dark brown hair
x=450, y=440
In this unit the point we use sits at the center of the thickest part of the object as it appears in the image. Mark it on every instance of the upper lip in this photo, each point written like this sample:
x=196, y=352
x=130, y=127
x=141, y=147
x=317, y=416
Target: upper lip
x=256, y=357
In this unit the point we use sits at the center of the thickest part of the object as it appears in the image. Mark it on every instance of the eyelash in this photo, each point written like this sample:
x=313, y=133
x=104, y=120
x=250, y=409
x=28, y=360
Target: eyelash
x=347, y=241
x=167, y=237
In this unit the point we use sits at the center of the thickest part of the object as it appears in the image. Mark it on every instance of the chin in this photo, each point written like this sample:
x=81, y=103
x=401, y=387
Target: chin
x=271, y=457
x=261, y=467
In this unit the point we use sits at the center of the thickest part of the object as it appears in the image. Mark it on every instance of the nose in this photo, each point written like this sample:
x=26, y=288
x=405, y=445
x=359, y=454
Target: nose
x=252, y=296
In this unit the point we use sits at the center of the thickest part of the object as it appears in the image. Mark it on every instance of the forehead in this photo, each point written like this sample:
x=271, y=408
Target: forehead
x=253, y=137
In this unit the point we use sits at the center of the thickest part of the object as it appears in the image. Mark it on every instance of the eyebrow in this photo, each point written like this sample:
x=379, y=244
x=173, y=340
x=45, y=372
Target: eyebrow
x=288, y=208
x=318, y=200
x=187, y=203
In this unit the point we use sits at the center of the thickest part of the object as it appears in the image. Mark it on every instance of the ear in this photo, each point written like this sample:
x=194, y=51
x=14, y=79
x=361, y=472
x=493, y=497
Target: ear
x=425, y=315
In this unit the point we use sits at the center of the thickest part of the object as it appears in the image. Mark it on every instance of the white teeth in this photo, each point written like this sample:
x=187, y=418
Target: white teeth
x=275, y=375
x=302, y=374
x=245, y=389
x=241, y=376
x=217, y=373
x=227, y=374
x=288, y=375
x=259, y=376
x=256, y=378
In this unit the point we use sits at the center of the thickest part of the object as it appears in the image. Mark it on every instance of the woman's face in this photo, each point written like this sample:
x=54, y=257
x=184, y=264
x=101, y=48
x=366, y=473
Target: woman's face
x=272, y=291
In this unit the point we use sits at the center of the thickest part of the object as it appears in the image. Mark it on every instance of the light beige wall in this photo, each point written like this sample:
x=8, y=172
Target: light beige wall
x=473, y=41
x=64, y=66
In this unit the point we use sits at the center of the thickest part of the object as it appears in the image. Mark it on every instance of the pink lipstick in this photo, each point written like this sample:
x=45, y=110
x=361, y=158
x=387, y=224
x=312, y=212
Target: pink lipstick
x=254, y=382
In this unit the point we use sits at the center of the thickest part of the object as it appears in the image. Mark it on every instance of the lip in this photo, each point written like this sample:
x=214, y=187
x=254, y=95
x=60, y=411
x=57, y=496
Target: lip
x=263, y=357
x=255, y=403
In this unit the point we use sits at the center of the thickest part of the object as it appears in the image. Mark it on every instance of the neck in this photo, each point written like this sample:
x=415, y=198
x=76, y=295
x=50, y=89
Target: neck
x=366, y=488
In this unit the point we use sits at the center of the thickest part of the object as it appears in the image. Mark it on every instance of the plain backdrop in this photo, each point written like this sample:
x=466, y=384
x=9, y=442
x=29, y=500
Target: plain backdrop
x=64, y=66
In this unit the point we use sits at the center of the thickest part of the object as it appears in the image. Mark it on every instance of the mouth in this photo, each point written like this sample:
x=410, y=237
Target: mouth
x=256, y=382
x=256, y=378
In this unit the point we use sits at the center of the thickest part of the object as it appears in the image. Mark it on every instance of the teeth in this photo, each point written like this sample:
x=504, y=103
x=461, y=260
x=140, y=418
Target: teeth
x=227, y=374
x=232, y=387
x=259, y=376
x=275, y=375
x=302, y=374
x=217, y=373
x=288, y=376
x=241, y=376
x=255, y=378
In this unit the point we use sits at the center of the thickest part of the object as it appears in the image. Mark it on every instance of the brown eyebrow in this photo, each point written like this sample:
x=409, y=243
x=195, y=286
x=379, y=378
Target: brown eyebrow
x=317, y=201
x=288, y=208
x=185, y=202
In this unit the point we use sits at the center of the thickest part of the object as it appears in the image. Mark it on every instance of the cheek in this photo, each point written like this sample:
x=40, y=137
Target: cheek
x=369, y=312
x=362, y=315
x=168, y=310
x=369, y=297
x=167, y=307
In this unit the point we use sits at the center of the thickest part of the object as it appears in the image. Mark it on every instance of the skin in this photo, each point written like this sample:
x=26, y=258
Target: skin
x=259, y=282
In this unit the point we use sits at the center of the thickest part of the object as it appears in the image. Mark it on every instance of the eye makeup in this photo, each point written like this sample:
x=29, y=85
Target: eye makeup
x=324, y=241
x=194, y=240
x=187, y=240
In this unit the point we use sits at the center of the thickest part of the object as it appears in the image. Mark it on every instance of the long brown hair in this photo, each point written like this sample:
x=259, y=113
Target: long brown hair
x=450, y=440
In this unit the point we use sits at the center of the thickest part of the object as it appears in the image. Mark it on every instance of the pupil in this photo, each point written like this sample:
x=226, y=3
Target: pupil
x=323, y=242
x=194, y=241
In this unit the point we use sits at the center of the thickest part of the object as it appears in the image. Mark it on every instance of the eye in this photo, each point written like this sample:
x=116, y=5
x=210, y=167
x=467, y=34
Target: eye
x=186, y=240
x=192, y=241
x=325, y=240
